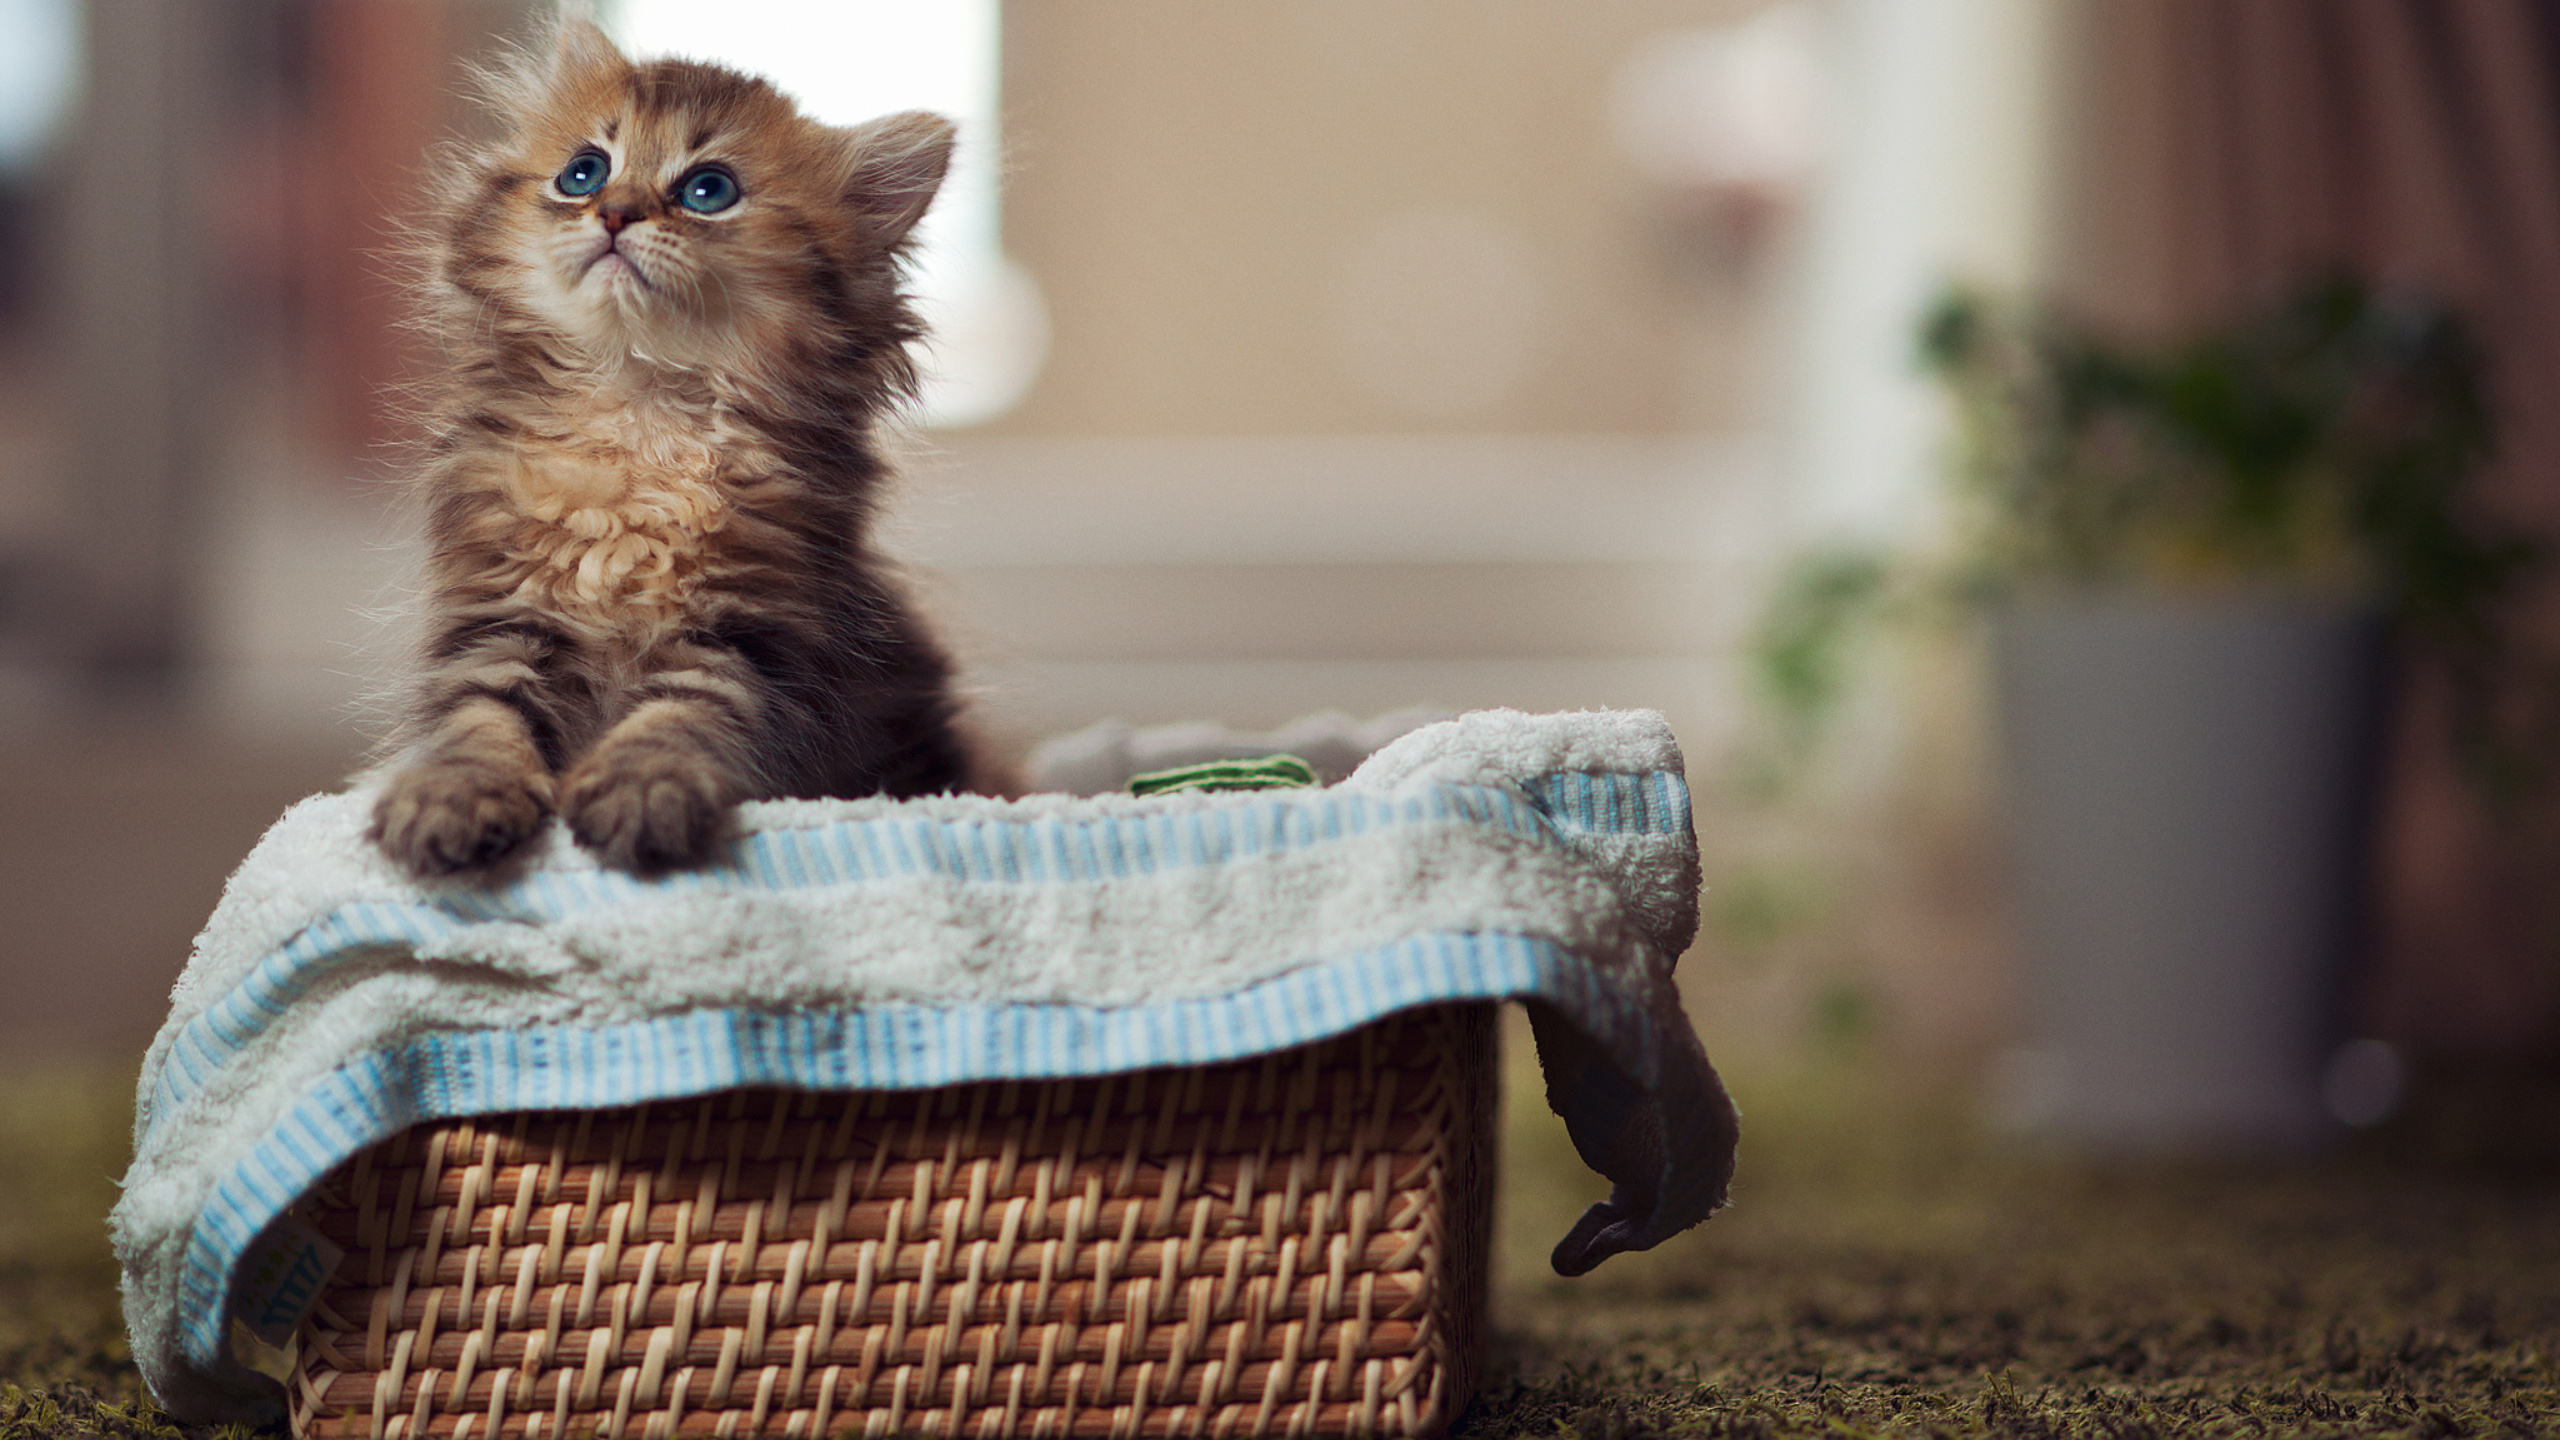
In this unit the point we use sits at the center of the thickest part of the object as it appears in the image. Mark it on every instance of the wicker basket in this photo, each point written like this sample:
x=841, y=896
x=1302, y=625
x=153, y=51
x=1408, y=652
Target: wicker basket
x=1288, y=1245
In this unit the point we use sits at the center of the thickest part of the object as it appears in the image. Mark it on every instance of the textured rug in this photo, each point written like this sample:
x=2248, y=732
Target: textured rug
x=1888, y=1269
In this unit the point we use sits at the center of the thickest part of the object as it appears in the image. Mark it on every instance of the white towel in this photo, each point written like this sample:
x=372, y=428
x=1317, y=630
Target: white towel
x=332, y=1001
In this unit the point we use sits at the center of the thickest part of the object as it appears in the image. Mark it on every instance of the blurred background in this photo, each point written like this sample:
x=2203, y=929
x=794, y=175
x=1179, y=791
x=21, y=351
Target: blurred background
x=1335, y=355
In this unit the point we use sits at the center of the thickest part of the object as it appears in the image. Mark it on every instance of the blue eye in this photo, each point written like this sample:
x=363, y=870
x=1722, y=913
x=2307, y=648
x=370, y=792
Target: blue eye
x=707, y=191
x=584, y=174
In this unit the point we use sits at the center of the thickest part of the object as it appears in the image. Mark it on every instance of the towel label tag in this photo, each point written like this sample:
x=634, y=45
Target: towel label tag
x=1266, y=773
x=280, y=1280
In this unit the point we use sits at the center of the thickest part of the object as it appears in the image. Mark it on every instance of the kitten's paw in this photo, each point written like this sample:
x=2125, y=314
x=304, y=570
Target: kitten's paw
x=647, y=809
x=448, y=816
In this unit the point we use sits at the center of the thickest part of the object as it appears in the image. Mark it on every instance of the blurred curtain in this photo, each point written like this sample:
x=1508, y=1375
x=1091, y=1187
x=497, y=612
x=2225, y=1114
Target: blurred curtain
x=380, y=81
x=2215, y=150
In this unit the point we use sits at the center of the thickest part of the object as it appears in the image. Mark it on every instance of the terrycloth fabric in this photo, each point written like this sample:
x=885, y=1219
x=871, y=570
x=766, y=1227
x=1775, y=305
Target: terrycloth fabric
x=332, y=1002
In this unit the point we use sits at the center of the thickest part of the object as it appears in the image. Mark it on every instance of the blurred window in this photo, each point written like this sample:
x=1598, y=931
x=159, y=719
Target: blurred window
x=39, y=75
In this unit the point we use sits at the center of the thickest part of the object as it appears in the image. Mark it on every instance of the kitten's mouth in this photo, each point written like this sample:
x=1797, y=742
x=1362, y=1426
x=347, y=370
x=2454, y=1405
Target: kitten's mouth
x=612, y=265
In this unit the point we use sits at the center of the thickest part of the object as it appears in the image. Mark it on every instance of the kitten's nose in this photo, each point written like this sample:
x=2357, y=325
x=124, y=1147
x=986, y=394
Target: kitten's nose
x=615, y=217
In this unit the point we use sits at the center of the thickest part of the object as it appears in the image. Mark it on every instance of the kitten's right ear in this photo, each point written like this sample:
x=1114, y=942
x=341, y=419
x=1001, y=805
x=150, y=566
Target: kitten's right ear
x=579, y=45
x=898, y=163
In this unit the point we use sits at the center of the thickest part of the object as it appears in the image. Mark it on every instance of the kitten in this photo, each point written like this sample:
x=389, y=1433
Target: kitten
x=670, y=314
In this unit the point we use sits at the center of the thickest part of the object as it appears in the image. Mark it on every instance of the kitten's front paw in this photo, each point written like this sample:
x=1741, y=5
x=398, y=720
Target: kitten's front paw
x=647, y=809
x=447, y=816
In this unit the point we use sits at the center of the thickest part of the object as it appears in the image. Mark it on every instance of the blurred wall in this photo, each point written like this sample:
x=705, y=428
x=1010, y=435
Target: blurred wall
x=1248, y=219
x=1378, y=375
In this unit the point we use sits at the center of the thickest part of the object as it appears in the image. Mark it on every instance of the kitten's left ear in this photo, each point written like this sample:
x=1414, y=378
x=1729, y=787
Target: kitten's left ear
x=898, y=163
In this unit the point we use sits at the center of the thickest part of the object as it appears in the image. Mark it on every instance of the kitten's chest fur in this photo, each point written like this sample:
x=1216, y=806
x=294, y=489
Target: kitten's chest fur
x=614, y=505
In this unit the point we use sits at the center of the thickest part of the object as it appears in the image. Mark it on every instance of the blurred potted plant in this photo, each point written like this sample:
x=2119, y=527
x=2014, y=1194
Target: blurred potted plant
x=2200, y=552
x=2196, y=556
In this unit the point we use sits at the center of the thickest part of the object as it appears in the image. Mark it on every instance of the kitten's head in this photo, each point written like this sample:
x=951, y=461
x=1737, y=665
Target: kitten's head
x=687, y=213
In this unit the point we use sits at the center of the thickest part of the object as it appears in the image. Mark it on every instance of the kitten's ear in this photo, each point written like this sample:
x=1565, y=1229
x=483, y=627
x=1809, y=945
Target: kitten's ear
x=898, y=162
x=579, y=46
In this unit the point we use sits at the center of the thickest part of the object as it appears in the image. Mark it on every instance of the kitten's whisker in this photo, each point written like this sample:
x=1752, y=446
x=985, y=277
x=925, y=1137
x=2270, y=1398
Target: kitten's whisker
x=721, y=280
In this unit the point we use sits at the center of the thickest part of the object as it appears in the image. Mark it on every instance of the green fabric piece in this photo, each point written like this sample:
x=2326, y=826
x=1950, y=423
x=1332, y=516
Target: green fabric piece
x=1271, y=772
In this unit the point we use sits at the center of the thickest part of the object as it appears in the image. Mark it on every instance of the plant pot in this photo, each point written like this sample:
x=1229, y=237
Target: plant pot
x=2188, y=793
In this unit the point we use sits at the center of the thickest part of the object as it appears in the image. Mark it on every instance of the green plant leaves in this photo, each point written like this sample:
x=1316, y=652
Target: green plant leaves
x=2328, y=440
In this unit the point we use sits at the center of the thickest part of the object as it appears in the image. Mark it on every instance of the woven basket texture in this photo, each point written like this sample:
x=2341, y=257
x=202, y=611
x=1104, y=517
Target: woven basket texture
x=1289, y=1245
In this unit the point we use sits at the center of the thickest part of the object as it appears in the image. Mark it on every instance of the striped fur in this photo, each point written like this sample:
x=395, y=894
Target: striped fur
x=650, y=472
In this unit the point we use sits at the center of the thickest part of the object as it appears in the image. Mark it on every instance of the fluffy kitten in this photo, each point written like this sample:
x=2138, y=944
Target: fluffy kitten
x=670, y=314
